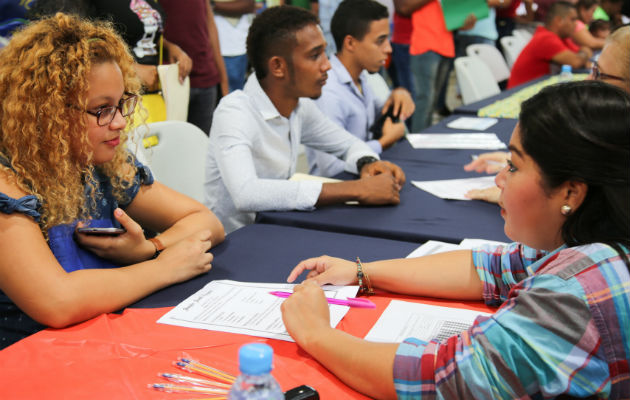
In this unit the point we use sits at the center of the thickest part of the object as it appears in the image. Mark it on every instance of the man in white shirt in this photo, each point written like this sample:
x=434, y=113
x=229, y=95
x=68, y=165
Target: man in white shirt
x=361, y=32
x=256, y=133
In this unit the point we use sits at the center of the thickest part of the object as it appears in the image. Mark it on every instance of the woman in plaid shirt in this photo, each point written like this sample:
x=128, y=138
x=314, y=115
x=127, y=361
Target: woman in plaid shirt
x=563, y=290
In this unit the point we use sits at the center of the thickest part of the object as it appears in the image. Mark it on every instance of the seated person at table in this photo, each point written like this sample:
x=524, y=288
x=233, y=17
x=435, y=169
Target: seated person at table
x=563, y=291
x=361, y=32
x=256, y=133
x=68, y=90
x=613, y=64
x=614, y=60
x=549, y=45
x=599, y=28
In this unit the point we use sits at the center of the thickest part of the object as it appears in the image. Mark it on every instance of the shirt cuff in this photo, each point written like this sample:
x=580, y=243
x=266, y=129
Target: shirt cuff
x=375, y=145
x=408, y=374
x=308, y=194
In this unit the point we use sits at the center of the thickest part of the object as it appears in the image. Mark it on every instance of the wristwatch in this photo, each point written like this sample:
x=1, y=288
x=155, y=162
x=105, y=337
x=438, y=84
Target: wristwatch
x=158, y=247
x=363, y=161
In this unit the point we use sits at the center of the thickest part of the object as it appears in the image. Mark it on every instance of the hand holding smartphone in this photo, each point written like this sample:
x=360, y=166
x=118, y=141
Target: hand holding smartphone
x=111, y=231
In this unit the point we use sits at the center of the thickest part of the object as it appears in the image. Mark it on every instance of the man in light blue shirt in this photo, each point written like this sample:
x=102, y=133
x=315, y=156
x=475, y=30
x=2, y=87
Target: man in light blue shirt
x=361, y=32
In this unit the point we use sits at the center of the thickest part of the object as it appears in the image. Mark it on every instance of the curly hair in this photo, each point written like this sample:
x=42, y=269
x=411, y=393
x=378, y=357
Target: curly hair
x=43, y=132
x=272, y=33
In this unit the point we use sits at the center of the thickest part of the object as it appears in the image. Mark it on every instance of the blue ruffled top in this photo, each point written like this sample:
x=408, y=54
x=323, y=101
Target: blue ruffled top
x=14, y=324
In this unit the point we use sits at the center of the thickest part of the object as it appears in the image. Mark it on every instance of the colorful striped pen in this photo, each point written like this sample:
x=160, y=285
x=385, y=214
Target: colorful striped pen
x=350, y=301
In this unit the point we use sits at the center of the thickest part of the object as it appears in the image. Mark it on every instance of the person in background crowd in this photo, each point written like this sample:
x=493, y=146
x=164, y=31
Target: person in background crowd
x=233, y=18
x=399, y=68
x=139, y=22
x=192, y=27
x=507, y=19
x=609, y=10
x=599, y=29
x=549, y=46
x=431, y=50
x=326, y=11
x=582, y=34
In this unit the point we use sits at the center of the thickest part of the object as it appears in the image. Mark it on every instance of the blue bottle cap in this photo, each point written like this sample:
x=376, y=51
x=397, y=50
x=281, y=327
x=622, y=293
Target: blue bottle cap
x=255, y=358
x=566, y=68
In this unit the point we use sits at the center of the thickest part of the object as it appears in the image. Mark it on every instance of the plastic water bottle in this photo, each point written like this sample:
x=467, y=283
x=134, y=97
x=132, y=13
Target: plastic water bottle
x=566, y=74
x=255, y=381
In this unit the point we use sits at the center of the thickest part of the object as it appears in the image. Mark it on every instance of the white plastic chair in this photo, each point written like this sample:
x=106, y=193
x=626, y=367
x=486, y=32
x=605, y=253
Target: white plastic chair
x=492, y=57
x=523, y=34
x=475, y=79
x=176, y=153
x=512, y=47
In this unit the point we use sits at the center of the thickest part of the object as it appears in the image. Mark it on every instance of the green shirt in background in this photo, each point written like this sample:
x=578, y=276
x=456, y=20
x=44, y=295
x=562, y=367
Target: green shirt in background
x=600, y=14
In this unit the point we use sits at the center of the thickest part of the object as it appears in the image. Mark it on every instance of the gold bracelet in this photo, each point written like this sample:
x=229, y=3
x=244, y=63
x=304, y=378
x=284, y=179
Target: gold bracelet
x=365, y=286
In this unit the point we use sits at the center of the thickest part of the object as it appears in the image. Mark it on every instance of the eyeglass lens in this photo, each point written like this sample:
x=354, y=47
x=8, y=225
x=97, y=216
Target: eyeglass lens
x=126, y=106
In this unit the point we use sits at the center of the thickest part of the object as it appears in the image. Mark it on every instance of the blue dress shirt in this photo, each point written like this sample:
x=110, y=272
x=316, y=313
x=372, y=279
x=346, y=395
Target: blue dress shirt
x=348, y=107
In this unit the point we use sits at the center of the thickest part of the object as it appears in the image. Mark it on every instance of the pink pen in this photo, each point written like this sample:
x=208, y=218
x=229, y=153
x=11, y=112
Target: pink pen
x=350, y=301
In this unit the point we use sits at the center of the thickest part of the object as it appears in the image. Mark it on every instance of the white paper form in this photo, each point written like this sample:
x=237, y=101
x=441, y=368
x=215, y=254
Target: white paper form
x=475, y=123
x=246, y=308
x=436, y=246
x=473, y=140
x=403, y=319
x=433, y=247
x=454, y=189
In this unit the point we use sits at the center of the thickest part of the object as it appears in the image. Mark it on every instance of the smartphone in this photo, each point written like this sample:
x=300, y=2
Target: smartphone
x=101, y=231
x=303, y=392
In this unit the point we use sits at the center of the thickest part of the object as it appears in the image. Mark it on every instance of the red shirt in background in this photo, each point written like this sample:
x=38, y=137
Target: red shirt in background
x=509, y=11
x=402, y=29
x=429, y=31
x=534, y=60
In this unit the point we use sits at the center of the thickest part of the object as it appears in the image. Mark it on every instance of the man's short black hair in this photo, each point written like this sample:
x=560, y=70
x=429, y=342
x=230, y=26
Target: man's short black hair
x=353, y=17
x=272, y=33
x=558, y=9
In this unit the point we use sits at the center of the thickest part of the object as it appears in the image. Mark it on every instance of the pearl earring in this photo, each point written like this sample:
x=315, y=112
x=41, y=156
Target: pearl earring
x=565, y=209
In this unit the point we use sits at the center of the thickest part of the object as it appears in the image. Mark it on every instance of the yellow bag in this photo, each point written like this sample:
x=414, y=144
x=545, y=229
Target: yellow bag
x=154, y=102
x=155, y=105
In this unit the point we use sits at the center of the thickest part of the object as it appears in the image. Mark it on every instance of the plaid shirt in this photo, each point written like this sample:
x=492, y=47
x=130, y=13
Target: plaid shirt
x=563, y=328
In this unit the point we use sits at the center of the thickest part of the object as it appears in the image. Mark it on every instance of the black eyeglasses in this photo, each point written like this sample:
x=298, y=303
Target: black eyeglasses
x=105, y=116
x=599, y=75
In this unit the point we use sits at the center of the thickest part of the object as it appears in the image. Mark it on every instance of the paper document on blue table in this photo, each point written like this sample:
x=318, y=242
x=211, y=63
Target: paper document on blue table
x=475, y=123
x=403, y=319
x=246, y=308
x=454, y=189
x=468, y=140
x=436, y=246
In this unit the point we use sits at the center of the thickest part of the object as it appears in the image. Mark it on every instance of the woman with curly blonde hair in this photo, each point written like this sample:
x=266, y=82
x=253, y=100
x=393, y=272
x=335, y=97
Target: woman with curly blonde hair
x=68, y=90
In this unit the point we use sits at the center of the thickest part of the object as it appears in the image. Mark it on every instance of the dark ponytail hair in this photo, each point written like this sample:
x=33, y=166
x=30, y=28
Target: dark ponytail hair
x=580, y=131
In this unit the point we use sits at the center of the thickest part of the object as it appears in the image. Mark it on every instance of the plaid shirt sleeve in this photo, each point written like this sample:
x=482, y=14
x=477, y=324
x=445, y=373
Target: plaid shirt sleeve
x=563, y=329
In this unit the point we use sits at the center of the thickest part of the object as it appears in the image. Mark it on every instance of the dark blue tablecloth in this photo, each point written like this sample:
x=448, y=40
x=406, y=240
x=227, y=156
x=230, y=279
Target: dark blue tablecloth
x=420, y=216
x=267, y=253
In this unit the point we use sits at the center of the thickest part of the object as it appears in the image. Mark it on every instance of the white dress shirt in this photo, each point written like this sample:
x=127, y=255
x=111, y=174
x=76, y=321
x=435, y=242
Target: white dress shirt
x=353, y=109
x=253, y=150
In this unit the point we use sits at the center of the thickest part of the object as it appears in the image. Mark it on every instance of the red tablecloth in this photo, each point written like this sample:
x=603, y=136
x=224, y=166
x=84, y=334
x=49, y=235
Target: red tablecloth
x=115, y=356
